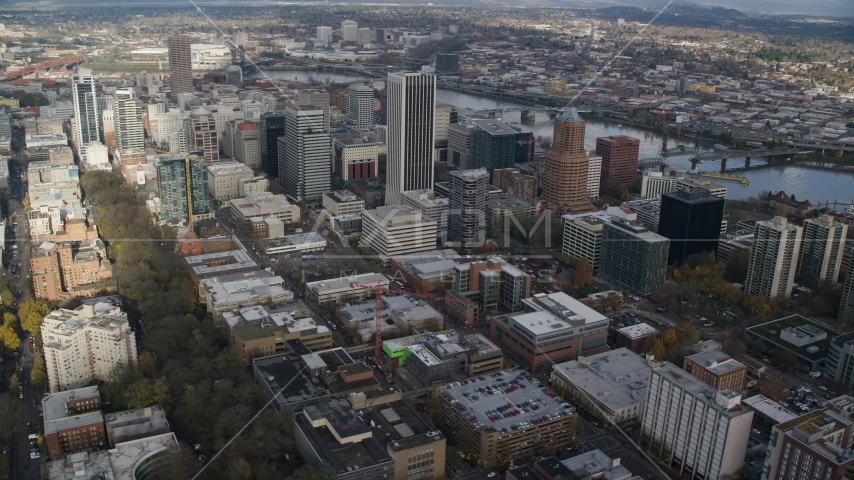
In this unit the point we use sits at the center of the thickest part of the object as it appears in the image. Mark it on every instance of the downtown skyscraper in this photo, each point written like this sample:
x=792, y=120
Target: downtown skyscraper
x=567, y=163
x=411, y=131
x=305, y=158
x=128, y=120
x=88, y=123
x=180, y=65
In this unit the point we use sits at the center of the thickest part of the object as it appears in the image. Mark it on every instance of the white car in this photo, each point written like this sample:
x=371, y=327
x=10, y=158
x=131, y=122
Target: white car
x=35, y=455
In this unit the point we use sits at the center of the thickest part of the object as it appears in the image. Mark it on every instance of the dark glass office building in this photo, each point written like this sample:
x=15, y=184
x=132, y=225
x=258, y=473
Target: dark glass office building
x=691, y=219
x=493, y=145
x=271, y=126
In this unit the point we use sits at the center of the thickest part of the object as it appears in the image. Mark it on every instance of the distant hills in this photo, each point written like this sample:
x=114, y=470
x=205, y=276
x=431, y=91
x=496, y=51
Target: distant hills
x=826, y=8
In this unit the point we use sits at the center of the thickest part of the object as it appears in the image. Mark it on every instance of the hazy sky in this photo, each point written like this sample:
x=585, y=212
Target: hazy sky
x=836, y=8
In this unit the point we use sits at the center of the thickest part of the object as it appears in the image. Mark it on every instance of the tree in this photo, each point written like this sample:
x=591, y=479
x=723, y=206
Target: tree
x=38, y=374
x=786, y=359
x=773, y=387
x=9, y=339
x=32, y=313
x=240, y=469
x=289, y=416
x=12, y=418
x=659, y=350
x=649, y=343
x=7, y=298
x=669, y=338
x=583, y=273
x=147, y=364
x=14, y=383
x=10, y=319
x=327, y=471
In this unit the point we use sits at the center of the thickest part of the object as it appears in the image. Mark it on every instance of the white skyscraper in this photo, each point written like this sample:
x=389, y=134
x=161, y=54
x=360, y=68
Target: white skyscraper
x=305, y=159
x=128, y=120
x=773, y=259
x=324, y=35
x=360, y=105
x=702, y=432
x=411, y=133
x=349, y=31
x=820, y=257
x=87, y=343
x=85, y=111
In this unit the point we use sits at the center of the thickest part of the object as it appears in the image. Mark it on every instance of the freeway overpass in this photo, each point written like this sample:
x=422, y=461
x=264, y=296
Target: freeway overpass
x=60, y=64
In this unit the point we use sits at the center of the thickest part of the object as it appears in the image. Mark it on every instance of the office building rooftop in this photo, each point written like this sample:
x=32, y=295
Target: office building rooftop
x=639, y=330
x=616, y=379
x=505, y=391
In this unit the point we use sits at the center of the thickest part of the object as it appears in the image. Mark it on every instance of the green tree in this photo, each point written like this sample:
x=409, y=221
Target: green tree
x=38, y=375
x=327, y=471
x=289, y=417
x=147, y=364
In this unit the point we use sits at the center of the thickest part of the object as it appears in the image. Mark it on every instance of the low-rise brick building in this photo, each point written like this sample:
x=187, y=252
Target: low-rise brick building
x=717, y=369
x=73, y=421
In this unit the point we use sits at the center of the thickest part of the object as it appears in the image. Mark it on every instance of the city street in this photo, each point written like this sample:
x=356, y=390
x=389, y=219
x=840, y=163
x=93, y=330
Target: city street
x=613, y=444
x=21, y=465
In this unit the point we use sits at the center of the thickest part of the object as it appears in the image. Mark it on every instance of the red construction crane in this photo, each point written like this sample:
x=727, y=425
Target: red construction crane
x=379, y=289
x=530, y=144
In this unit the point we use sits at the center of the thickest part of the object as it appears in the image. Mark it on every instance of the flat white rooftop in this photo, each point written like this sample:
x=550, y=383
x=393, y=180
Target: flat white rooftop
x=638, y=331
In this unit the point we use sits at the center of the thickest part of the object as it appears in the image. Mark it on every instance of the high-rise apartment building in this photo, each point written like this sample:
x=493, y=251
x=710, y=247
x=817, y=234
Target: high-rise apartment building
x=306, y=164
x=411, y=111
x=633, y=257
x=655, y=184
x=128, y=120
x=87, y=343
x=88, y=123
x=820, y=257
x=349, y=31
x=247, y=148
x=619, y=162
x=702, y=432
x=229, y=137
x=318, y=99
x=459, y=144
x=493, y=145
x=814, y=445
x=270, y=128
x=594, y=174
x=846, y=304
x=691, y=219
x=324, y=35
x=183, y=184
x=582, y=238
x=202, y=134
x=66, y=270
x=180, y=65
x=360, y=105
x=469, y=191
x=773, y=258
x=565, y=179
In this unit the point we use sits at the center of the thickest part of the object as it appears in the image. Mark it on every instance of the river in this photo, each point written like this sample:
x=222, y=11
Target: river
x=810, y=182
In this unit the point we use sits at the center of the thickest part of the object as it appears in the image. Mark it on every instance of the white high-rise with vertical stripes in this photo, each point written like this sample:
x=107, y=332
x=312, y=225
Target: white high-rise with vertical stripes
x=411, y=130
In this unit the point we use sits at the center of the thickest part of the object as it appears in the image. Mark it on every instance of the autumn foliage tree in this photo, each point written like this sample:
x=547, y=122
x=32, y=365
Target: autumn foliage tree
x=583, y=273
x=32, y=313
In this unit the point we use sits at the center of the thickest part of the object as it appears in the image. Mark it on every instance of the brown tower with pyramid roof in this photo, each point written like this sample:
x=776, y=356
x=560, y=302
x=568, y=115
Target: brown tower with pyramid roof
x=565, y=180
